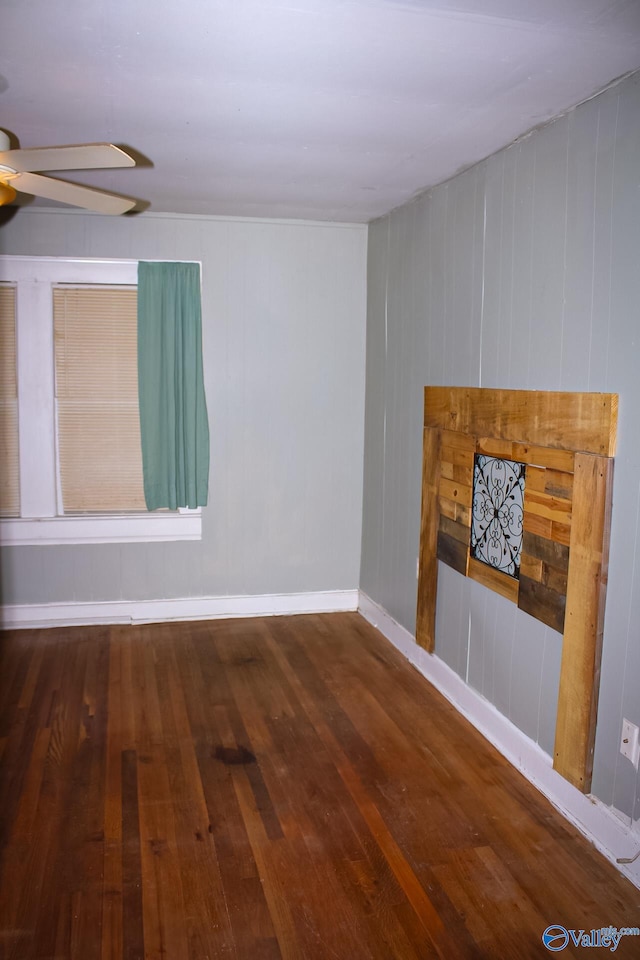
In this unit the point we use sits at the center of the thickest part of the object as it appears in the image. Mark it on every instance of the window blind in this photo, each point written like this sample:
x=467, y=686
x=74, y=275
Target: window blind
x=9, y=451
x=99, y=453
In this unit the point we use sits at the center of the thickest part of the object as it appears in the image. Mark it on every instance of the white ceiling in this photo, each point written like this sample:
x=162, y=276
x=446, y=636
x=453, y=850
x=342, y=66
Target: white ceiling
x=321, y=109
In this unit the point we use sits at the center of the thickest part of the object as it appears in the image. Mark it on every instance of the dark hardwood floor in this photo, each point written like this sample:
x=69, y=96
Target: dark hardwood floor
x=267, y=788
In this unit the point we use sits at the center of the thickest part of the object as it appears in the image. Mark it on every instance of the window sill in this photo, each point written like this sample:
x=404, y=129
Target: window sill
x=132, y=528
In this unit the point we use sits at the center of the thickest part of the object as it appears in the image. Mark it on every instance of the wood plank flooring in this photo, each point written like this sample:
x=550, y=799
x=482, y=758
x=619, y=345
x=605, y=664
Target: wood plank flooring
x=269, y=788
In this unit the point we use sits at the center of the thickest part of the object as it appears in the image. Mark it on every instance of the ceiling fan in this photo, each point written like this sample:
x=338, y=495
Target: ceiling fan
x=16, y=174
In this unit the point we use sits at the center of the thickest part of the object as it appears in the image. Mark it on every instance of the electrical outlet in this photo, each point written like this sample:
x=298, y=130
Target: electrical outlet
x=630, y=742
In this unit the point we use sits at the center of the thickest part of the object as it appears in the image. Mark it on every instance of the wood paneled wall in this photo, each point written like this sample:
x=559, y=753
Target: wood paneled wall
x=520, y=273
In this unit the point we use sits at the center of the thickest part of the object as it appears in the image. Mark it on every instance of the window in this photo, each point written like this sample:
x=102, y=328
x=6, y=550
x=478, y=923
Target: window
x=69, y=423
x=96, y=377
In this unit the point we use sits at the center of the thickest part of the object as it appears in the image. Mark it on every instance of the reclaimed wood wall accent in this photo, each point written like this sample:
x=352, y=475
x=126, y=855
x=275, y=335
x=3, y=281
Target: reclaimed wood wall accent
x=567, y=441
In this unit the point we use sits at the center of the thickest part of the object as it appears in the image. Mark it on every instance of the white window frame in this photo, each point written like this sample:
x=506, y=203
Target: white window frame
x=39, y=521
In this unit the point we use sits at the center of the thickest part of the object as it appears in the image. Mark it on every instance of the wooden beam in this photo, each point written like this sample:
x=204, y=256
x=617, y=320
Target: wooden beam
x=584, y=617
x=542, y=602
x=452, y=552
x=428, y=565
x=493, y=579
x=583, y=422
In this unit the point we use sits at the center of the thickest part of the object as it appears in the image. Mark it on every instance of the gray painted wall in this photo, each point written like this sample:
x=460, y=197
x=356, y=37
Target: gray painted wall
x=522, y=272
x=284, y=314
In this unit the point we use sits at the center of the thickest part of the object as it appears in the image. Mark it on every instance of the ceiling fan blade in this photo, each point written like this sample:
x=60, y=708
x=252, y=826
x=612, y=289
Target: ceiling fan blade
x=73, y=193
x=83, y=156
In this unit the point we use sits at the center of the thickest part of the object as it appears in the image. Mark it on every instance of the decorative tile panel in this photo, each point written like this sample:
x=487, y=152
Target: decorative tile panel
x=497, y=513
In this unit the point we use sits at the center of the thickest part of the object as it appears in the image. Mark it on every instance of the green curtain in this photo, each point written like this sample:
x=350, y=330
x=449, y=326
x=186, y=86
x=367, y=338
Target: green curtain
x=173, y=411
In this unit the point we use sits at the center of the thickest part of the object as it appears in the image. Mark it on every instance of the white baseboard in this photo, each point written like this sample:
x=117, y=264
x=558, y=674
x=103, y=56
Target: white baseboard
x=600, y=824
x=22, y=616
